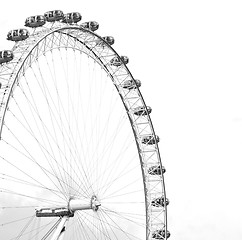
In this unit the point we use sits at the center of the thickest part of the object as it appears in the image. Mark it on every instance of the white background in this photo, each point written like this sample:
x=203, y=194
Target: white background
x=188, y=56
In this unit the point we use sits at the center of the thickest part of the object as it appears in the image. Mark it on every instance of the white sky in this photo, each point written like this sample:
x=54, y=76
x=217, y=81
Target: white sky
x=188, y=55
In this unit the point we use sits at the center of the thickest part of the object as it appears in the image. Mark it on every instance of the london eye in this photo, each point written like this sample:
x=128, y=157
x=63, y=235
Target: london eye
x=79, y=156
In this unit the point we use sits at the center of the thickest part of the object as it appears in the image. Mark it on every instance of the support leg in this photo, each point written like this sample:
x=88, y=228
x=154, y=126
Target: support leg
x=60, y=229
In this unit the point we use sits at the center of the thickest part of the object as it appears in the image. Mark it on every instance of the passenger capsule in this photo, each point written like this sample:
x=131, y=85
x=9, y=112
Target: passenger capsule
x=156, y=170
x=131, y=84
x=109, y=40
x=6, y=56
x=142, y=110
x=118, y=61
x=91, y=25
x=18, y=35
x=72, y=17
x=158, y=202
x=150, y=139
x=35, y=21
x=55, y=15
x=161, y=234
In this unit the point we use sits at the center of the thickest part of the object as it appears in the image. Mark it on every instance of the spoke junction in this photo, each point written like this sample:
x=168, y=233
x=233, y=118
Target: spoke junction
x=69, y=210
x=66, y=212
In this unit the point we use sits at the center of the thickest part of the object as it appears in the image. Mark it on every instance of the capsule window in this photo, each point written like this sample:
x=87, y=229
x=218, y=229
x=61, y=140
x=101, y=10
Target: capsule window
x=39, y=18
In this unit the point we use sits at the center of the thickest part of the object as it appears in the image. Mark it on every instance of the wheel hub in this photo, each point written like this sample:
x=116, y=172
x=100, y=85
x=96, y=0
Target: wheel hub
x=78, y=204
x=74, y=204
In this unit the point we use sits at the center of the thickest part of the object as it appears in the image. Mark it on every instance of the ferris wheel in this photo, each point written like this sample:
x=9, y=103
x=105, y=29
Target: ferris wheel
x=79, y=158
